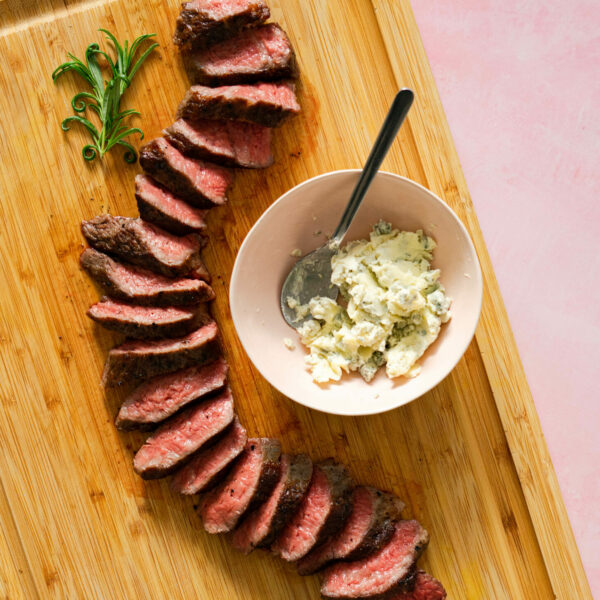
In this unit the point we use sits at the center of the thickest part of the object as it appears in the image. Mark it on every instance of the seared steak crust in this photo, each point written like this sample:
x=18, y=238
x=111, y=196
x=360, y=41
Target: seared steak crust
x=210, y=465
x=267, y=104
x=135, y=360
x=160, y=397
x=143, y=244
x=391, y=569
x=157, y=205
x=146, y=322
x=201, y=24
x=138, y=285
x=174, y=442
x=249, y=483
x=259, y=54
x=230, y=143
x=369, y=527
x=202, y=184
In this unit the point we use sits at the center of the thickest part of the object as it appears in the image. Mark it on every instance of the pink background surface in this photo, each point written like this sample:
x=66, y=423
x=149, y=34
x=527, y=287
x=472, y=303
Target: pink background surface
x=520, y=83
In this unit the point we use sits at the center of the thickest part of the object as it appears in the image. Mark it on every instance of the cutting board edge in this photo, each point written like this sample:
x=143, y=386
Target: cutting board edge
x=518, y=414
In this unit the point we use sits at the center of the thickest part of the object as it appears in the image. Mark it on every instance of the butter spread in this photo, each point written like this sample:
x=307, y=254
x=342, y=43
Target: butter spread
x=390, y=310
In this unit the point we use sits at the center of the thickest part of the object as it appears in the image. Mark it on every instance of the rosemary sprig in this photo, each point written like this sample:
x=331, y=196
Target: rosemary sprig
x=105, y=97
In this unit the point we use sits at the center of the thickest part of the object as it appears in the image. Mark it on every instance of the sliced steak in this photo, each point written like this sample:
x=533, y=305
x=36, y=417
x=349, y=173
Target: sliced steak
x=160, y=397
x=146, y=322
x=206, y=467
x=231, y=143
x=259, y=54
x=322, y=512
x=182, y=435
x=141, y=286
x=143, y=244
x=425, y=588
x=135, y=360
x=157, y=205
x=268, y=104
x=381, y=572
x=261, y=526
x=249, y=483
x=367, y=529
x=202, y=184
x=205, y=22
x=200, y=272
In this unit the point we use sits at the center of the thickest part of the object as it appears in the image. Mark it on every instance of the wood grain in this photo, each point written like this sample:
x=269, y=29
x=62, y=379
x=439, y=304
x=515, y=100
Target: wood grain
x=468, y=458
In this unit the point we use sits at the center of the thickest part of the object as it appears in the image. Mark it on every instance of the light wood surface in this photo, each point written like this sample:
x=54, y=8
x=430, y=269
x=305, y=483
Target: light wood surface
x=468, y=458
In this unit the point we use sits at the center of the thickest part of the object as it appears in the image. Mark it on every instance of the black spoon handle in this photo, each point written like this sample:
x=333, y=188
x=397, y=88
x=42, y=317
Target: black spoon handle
x=387, y=134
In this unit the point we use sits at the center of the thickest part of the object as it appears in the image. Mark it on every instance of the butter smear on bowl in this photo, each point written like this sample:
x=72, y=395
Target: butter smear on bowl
x=391, y=308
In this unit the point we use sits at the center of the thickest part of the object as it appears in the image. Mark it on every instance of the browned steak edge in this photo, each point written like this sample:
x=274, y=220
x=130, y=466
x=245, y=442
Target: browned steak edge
x=341, y=498
x=194, y=31
x=298, y=481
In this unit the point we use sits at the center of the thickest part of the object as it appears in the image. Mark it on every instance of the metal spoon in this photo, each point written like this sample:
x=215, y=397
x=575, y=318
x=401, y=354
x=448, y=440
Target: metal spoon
x=311, y=275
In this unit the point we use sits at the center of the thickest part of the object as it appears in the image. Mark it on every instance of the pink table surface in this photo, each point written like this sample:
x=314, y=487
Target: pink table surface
x=520, y=83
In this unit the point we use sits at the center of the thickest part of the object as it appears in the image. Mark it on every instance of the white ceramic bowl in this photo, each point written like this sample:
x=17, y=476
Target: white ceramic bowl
x=265, y=259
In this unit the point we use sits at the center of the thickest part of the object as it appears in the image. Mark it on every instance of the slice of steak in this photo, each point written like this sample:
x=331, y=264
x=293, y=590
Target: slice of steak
x=160, y=397
x=231, y=143
x=367, y=529
x=182, y=435
x=268, y=104
x=143, y=244
x=322, y=512
x=249, y=484
x=205, y=22
x=259, y=54
x=200, y=272
x=146, y=322
x=202, y=184
x=425, y=588
x=135, y=360
x=261, y=526
x=207, y=467
x=157, y=205
x=381, y=572
x=134, y=284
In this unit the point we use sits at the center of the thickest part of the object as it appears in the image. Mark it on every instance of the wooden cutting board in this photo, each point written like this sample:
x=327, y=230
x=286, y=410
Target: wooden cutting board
x=469, y=458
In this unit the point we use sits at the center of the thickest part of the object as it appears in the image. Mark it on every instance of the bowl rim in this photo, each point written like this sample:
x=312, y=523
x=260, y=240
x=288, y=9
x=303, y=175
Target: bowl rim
x=445, y=372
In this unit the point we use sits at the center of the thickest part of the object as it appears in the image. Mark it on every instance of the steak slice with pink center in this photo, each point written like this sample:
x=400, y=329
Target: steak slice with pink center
x=175, y=441
x=261, y=526
x=249, y=483
x=258, y=54
x=160, y=397
x=205, y=22
x=232, y=143
x=367, y=529
x=425, y=588
x=268, y=104
x=143, y=244
x=202, y=184
x=207, y=467
x=135, y=360
x=381, y=572
x=322, y=512
x=157, y=205
x=140, y=286
x=146, y=322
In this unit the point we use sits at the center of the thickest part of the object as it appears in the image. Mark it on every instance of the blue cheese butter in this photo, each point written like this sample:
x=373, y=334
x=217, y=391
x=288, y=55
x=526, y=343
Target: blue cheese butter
x=391, y=308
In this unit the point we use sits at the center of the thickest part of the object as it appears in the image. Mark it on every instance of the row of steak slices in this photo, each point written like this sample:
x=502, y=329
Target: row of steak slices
x=157, y=294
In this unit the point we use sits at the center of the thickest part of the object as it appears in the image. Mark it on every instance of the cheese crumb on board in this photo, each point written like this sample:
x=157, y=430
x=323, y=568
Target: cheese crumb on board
x=392, y=308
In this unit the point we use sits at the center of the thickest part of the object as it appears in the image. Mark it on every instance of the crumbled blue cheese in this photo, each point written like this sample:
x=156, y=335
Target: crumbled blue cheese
x=392, y=309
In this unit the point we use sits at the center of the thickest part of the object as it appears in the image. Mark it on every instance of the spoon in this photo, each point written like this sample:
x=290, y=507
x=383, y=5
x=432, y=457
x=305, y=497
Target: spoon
x=311, y=275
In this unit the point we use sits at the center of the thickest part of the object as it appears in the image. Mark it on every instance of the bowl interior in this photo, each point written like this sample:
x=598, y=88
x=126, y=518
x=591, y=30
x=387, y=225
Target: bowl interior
x=301, y=219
